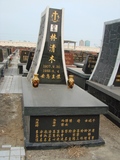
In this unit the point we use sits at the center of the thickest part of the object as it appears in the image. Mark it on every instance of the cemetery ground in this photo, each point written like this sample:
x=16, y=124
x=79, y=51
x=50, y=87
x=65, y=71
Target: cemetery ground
x=11, y=133
x=11, y=129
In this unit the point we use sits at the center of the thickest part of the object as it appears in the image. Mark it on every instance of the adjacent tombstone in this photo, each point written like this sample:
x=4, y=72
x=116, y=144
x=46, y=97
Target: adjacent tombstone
x=24, y=56
x=30, y=59
x=104, y=82
x=5, y=53
x=89, y=64
x=1, y=55
x=4, y=57
x=23, y=60
x=54, y=115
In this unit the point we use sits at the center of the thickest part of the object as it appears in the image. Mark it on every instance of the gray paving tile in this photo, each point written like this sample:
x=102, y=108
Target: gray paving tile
x=15, y=158
x=4, y=153
x=15, y=152
x=22, y=151
x=4, y=158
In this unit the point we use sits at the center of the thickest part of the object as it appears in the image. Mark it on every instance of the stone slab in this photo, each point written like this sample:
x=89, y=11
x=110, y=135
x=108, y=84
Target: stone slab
x=109, y=90
x=78, y=72
x=79, y=65
x=50, y=99
x=110, y=95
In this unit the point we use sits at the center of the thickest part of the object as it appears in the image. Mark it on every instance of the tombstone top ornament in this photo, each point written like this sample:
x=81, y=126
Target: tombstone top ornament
x=49, y=61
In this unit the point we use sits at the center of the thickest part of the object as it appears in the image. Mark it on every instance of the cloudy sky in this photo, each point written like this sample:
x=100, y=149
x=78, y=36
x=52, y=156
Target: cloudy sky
x=83, y=19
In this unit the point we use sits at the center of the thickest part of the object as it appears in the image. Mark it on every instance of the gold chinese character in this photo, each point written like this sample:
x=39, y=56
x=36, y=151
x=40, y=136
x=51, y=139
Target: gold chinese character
x=93, y=130
x=62, y=139
x=48, y=76
x=55, y=16
x=41, y=131
x=36, y=139
x=62, y=135
x=53, y=37
x=62, y=124
x=85, y=138
x=66, y=139
x=54, y=131
x=52, y=59
x=50, y=131
x=49, y=139
x=62, y=131
x=40, y=139
x=53, y=76
x=52, y=48
x=66, y=120
x=53, y=135
x=70, y=131
x=58, y=76
x=78, y=120
x=69, y=139
x=70, y=120
x=66, y=131
x=58, y=131
x=42, y=76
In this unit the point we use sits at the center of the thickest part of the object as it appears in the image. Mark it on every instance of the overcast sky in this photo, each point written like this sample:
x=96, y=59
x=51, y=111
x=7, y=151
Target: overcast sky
x=83, y=19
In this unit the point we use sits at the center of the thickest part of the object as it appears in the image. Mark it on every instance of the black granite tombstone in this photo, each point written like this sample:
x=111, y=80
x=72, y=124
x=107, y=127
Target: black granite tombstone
x=24, y=56
x=89, y=64
x=55, y=115
x=1, y=55
x=30, y=58
x=104, y=82
x=5, y=53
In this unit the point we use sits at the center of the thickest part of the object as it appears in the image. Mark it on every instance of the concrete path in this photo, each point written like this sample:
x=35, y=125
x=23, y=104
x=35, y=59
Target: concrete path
x=11, y=83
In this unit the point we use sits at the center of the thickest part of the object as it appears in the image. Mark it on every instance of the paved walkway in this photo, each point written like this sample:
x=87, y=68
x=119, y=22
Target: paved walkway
x=12, y=153
x=11, y=83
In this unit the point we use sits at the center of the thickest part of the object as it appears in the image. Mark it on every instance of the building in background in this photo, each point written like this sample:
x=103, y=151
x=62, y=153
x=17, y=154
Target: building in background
x=81, y=43
x=87, y=43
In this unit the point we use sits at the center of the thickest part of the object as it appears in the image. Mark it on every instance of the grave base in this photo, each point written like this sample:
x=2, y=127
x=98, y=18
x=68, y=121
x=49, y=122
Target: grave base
x=56, y=116
x=108, y=95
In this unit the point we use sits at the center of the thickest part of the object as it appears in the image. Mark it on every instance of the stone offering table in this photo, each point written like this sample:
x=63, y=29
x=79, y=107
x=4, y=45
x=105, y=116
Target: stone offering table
x=79, y=76
x=56, y=116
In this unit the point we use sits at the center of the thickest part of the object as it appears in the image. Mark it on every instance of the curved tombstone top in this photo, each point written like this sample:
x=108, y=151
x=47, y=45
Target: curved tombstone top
x=49, y=61
x=107, y=69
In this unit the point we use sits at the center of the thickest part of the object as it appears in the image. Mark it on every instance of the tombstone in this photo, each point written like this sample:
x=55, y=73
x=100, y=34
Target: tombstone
x=30, y=59
x=104, y=82
x=5, y=53
x=89, y=64
x=1, y=55
x=4, y=57
x=23, y=61
x=55, y=115
x=24, y=56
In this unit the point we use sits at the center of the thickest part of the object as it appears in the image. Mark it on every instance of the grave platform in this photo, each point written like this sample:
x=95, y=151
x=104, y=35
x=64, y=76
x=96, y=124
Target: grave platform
x=56, y=116
x=110, y=95
x=80, y=77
